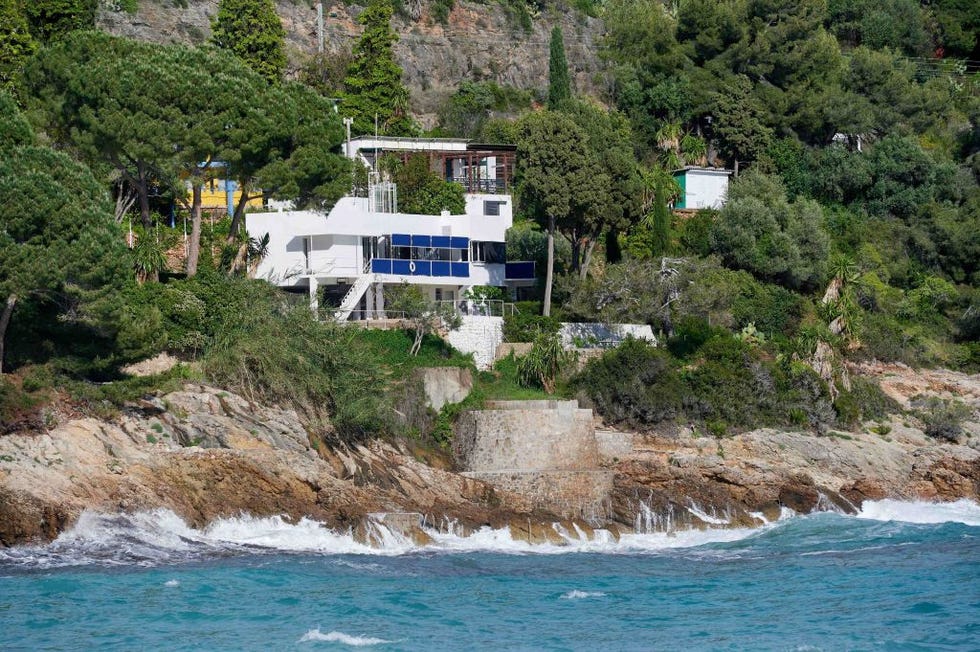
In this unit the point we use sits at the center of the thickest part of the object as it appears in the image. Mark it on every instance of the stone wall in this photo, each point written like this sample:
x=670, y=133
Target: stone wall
x=543, y=450
x=526, y=436
x=569, y=494
x=479, y=336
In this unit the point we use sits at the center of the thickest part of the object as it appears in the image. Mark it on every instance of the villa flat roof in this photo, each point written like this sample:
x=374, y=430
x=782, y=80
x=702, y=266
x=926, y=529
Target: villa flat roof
x=698, y=168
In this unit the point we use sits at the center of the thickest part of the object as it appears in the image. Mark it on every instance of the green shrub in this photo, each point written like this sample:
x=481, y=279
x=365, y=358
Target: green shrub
x=942, y=419
x=865, y=401
x=292, y=359
x=635, y=385
x=525, y=327
x=690, y=333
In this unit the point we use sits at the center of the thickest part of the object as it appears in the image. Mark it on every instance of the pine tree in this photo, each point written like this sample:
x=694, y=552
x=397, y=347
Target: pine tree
x=374, y=81
x=252, y=30
x=16, y=42
x=559, y=84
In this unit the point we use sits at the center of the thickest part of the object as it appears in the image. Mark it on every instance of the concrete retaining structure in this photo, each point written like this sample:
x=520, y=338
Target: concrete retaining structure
x=545, y=450
x=521, y=436
x=480, y=336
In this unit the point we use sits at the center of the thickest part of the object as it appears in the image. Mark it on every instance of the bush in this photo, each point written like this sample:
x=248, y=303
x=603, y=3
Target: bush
x=525, y=327
x=865, y=401
x=635, y=385
x=690, y=334
x=942, y=419
x=729, y=384
x=291, y=359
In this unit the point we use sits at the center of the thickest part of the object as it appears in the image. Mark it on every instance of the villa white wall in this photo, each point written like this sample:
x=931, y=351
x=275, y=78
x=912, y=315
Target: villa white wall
x=705, y=189
x=340, y=253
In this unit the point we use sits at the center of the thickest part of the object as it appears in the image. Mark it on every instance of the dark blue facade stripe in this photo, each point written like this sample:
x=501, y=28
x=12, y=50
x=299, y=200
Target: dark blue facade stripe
x=421, y=241
x=401, y=240
x=441, y=241
x=460, y=269
x=441, y=268
x=459, y=243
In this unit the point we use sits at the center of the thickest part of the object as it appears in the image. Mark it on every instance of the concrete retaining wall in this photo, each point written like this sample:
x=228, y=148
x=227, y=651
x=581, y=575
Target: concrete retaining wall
x=479, y=336
x=573, y=335
x=526, y=436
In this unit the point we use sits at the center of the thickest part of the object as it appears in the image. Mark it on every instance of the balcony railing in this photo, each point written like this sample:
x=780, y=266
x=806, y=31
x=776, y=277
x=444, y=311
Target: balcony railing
x=488, y=186
x=420, y=267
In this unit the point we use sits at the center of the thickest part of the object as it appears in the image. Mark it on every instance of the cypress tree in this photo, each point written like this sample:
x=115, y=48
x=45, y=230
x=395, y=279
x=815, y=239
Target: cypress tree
x=251, y=29
x=374, y=80
x=559, y=83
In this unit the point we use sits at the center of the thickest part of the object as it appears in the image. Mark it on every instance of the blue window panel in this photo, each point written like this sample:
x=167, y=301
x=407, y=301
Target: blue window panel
x=401, y=240
x=519, y=270
x=441, y=268
x=401, y=267
x=381, y=265
x=422, y=268
x=441, y=241
x=421, y=241
x=460, y=269
x=459, y=243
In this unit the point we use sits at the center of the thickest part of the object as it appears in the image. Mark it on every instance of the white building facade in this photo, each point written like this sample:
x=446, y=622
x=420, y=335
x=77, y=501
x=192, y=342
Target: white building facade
x=345, y=258
x=701, y=187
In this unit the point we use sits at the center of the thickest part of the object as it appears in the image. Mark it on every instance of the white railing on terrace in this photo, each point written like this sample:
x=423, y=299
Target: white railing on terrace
x=489, y=308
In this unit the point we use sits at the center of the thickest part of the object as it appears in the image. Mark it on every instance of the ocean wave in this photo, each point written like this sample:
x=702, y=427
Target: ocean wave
x=340, y=637
x=963, y=511
x=161, y=537
x=580, y=595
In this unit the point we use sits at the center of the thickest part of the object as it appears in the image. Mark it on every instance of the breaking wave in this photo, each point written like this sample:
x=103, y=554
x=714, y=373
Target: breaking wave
x=340, y=637
x=161, y=537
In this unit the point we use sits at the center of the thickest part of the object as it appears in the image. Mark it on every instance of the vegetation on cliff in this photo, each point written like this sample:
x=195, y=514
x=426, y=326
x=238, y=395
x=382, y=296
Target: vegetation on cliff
x=850, y=232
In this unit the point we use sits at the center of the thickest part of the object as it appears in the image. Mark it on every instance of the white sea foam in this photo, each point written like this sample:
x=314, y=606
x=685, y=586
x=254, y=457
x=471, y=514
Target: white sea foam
x=172, y=583
x=960, y=511
x=579, y=595
x=340, y=637
x=160, y=536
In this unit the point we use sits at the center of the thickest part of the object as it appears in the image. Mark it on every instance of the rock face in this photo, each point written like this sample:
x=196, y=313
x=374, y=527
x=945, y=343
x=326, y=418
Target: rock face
x=480, y=42
x=444, y=385
x=207, y=454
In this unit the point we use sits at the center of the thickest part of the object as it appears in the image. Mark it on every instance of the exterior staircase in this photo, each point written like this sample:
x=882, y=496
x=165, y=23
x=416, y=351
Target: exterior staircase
x=353, y=297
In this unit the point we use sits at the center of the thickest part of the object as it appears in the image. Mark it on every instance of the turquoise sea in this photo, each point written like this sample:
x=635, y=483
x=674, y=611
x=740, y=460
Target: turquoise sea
x=901, y=576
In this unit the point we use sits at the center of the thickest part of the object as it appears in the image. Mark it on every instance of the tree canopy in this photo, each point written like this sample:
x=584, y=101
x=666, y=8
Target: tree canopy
x=373, y=85
x=252, y=30
x=62, y=244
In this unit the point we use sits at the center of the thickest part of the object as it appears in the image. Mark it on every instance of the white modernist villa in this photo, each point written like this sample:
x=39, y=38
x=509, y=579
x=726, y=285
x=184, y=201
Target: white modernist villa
x=346, y=257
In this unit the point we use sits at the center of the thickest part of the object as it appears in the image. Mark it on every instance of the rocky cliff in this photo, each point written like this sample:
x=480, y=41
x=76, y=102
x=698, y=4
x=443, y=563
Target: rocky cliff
x=206, y=454
x=479, y=42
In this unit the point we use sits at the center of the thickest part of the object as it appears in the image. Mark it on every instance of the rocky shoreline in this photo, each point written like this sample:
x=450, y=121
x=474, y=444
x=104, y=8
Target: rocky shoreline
x=207, y=454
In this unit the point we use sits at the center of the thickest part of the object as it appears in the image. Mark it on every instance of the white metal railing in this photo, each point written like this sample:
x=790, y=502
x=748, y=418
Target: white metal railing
x=482, y=308
x=352, y=297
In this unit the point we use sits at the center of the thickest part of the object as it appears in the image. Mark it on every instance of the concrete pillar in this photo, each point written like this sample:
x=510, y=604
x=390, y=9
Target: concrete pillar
x=369, y=302
x=379, y=300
